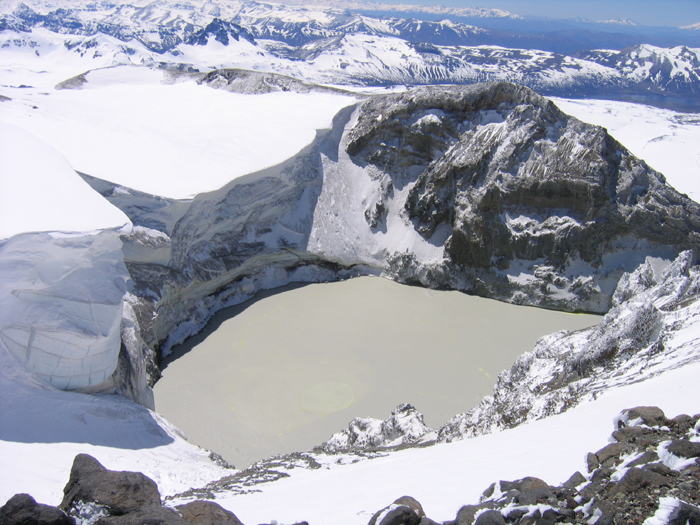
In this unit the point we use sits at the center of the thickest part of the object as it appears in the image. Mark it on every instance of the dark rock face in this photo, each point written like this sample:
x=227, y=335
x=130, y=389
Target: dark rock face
x=515, y=180
x=120, y=492
x=148, y=515
x=22, y=509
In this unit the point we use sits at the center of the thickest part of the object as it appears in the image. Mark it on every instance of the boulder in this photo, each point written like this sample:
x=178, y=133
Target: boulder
x=207, y=513
x=650, y=416
x=490, y=517
x=574, y=481
x=119, y=492
x=684, y=448
x=636, y=478
x=684, y=514
x=466, y=514
x=22, y=509
x=146, y=516
x=400, y=515
x=403, y=511
x=610, y=451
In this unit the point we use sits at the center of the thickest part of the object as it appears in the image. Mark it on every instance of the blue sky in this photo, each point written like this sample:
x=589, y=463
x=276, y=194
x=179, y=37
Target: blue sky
x=647, y=12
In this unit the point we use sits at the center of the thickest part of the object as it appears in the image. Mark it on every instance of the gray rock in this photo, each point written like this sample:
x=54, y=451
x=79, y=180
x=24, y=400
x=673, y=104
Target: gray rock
x=592, y=462
x=403, y=510
x=207, y=513
x=22, y=509
x=650, y=416
x=465, y=515
x=574, y=481
x=648, y=457
x=490, y=517
x=610, y=451
x=535, y=496
x=401, y=515
x=120, y=492
x=145, y=516
x=635, y=478
x=684, y=448
x=685, y=514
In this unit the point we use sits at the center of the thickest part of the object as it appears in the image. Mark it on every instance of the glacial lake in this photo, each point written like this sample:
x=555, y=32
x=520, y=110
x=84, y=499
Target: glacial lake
x=285, y=371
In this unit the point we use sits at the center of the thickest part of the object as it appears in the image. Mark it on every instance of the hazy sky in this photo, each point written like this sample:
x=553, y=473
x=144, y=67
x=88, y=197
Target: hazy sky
x=647, y=12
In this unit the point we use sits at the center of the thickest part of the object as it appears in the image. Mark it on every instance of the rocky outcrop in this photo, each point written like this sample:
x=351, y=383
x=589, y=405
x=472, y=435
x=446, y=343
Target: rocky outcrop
x=254, y=82
x=649, y=471
x=487, y=189
x=100, y=496
x=532, y=206
x=22, y=509
x=632, y=479
x=404, y=427
x=118, y=492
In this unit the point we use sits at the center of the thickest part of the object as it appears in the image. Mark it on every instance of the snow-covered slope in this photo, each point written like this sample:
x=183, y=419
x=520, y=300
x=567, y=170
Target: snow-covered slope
x=364, y=196
x=40, y=191
x=445, y=477
x=43, y=428
x=177, y=139
x=665, y=139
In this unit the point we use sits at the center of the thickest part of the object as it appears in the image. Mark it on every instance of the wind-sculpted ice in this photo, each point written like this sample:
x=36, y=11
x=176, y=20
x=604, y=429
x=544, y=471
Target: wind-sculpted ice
x=61, y=302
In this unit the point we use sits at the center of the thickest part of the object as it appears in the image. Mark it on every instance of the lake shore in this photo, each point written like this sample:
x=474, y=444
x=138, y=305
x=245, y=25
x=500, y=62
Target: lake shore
x=283, y=372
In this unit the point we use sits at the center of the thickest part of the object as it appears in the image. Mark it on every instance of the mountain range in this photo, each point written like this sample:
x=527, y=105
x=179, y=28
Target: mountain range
x=334, y=46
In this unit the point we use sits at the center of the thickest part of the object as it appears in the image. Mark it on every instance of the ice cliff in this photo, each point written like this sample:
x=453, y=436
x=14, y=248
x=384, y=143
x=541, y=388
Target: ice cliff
x=62, y=305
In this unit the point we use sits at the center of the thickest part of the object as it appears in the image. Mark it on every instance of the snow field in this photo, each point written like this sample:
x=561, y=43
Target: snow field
x=171, y=140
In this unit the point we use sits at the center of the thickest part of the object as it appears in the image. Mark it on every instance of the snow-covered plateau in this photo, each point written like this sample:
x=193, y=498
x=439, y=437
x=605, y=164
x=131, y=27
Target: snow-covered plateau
x=147, y=180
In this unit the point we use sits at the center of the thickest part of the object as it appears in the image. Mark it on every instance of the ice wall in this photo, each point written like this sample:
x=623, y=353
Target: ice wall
x=61, y=302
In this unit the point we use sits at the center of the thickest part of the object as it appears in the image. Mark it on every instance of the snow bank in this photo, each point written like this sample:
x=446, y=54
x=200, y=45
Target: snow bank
x=42, y=429
x=40, y=191
x=61, y=303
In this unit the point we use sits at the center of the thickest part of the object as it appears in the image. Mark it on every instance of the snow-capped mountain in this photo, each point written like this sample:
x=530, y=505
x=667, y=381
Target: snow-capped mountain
x=485, y=188
x=620, y=21
x=333, y=46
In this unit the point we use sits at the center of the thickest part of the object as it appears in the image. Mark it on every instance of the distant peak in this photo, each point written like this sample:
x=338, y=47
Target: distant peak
x=620, y=21
x=362, y=5
x=692, y=26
